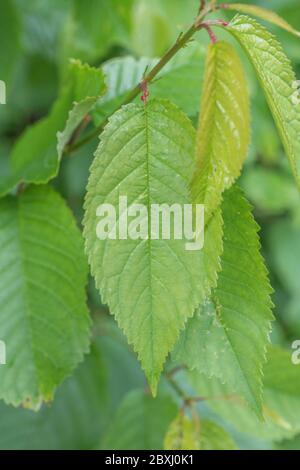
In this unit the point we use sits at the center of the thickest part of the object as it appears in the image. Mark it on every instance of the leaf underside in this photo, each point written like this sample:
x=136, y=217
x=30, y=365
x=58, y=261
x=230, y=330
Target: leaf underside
x=277, y=80
x=151, y=286
x=281, y=403
x=228, y=335
x=44, y=320
x=264, y=14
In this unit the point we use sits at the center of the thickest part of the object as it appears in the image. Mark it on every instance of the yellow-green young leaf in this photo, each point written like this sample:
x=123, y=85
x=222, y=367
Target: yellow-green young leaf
x=44, y=321
x=277, y=79
x=264, y=14
x=151, y=285
x=224, y=126
x=213, y=437
x=192, y=434
x=281, y=399
x=183, y=434
x=35, y=157
x=228, y=335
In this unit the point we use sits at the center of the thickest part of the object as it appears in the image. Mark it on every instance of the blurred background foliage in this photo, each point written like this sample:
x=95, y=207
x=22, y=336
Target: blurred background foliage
x=37, y=37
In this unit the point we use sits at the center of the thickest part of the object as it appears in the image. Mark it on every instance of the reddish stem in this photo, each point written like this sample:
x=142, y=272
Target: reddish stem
x=215, y=23
x=207, y=25
x=211, y=34
x=223, y=6
x=144, y=88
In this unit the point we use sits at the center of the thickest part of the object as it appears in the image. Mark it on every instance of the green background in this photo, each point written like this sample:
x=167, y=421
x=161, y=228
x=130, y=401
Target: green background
x=34, y=48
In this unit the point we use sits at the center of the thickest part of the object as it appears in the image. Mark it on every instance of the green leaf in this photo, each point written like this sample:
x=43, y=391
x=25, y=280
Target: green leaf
x=156, y=24
x=277, y=79
x=74, y=420
x=34, y=82
x=89, y=85
x=9, y=48
x=264, y=14
x=42, y=24
x=140, y=423
x=188, y=349
x=284, y=246
x=281, y=399
x=183, y=434
x=228, y=335
x=214, y=437
x=76, y=116
x=123, y=370
x=83, y=405
x=34, y=157
x=187, y=66
x=44, y=320
x=289, y=444
x=83, y=38
x=124, y=73
x=224, y=126
x=272, y=191
x=151, y=32
x=146, y=153
x=283, y=243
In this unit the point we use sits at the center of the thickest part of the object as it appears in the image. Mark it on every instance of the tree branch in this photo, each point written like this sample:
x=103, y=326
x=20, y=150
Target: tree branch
x=181, y=42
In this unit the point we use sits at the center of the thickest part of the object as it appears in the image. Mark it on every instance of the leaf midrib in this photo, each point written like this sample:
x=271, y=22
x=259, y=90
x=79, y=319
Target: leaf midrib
x=149, y=229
